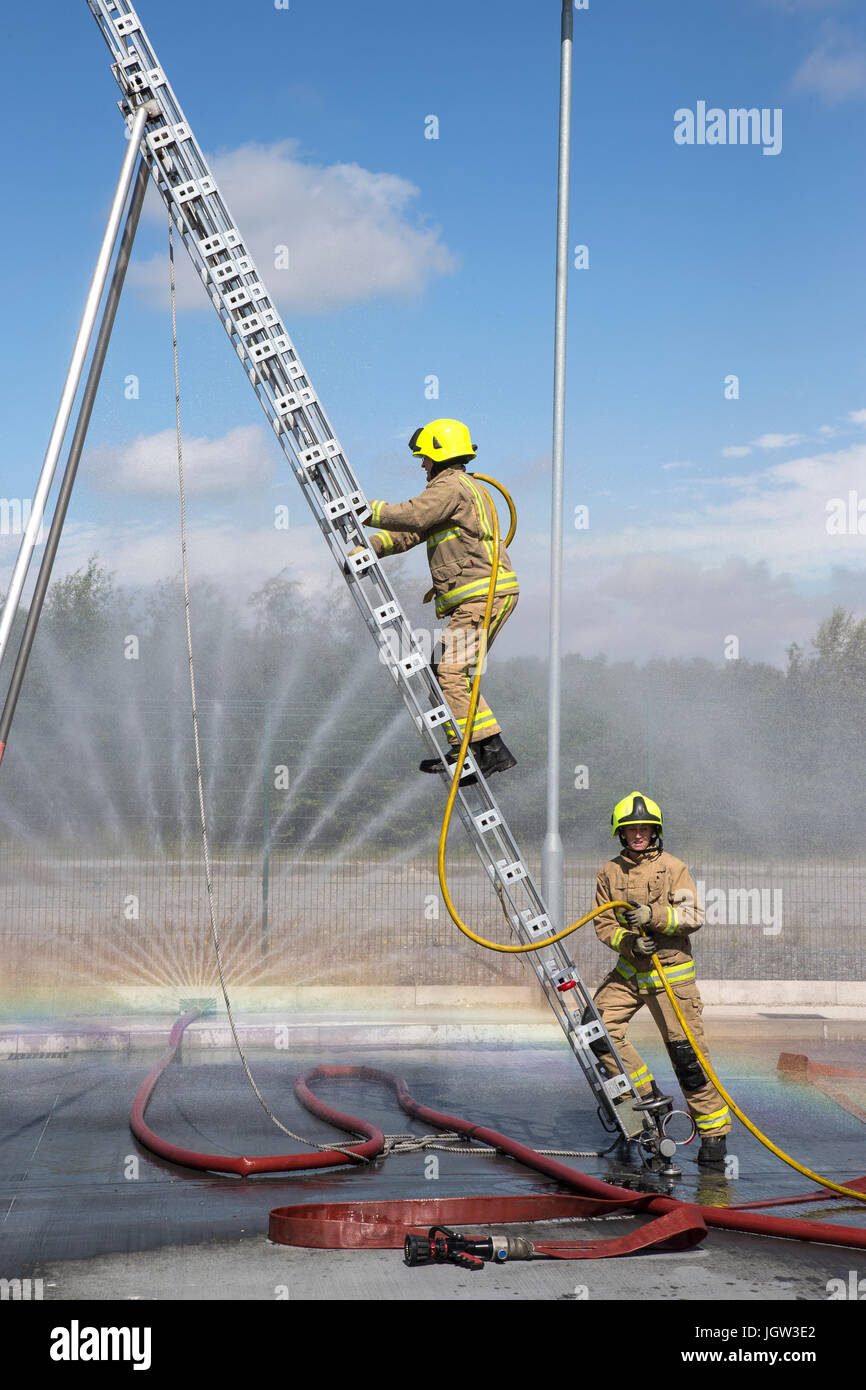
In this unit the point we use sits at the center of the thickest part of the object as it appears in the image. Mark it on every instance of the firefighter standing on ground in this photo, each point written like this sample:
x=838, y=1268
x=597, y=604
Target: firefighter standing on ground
x=665, y=914
x=453, y=517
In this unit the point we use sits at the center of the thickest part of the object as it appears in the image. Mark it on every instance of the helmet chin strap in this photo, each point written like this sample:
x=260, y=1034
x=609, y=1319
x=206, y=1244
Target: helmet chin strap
x=653, y=849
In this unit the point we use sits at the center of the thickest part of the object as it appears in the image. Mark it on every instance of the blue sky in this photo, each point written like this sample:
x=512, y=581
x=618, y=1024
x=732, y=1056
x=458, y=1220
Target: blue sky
x=412, y=257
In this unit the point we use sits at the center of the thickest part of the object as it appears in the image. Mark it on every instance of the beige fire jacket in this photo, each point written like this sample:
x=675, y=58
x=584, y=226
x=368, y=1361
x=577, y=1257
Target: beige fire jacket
x=453, y=517
x=664, y=884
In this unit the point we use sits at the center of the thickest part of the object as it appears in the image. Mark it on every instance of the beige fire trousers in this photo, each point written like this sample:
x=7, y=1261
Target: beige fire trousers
x=618, y=1000
x=460, y=640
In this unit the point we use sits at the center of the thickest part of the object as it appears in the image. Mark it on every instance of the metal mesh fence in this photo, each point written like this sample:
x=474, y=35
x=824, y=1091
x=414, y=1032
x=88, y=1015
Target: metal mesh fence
x=70, y=917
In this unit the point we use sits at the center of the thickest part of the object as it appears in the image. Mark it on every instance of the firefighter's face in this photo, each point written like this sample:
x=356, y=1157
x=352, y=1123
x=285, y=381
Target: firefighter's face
x=638, y=836
x=427, y=465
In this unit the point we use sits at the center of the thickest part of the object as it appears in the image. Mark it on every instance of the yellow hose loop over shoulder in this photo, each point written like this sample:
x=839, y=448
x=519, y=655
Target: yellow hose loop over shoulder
x=512, y=510
x=768, y=1143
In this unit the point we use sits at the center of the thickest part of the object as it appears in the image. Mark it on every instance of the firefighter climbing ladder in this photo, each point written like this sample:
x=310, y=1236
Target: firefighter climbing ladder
x=268, y=356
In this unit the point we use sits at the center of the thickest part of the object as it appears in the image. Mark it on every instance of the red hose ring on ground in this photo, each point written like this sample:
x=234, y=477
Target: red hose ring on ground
x=687, y=1226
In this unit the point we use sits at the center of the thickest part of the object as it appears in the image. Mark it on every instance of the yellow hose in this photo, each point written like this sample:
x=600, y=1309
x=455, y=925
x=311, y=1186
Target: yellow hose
x=512, y=510
x=455, y=781
x=596, y=911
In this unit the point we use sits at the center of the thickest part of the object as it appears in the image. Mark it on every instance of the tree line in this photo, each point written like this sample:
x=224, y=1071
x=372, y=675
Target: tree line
x=305, y=740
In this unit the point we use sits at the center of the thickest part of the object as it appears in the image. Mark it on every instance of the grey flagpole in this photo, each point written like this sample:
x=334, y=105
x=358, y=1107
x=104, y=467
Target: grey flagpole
x=552, y=854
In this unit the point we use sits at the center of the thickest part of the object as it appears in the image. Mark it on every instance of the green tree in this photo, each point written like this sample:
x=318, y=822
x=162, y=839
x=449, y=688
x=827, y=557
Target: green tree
x=78, y=608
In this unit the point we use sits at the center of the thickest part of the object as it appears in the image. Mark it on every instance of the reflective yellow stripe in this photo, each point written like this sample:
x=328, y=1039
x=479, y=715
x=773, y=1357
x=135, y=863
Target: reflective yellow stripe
x=387, y=540
x=642, y=1076
x=714, y=1121
x=685, y=971
x=440, y=536
x=488, y=721
x=506, y=583
x=376, y=512
x=482, y=721
x=674, y=974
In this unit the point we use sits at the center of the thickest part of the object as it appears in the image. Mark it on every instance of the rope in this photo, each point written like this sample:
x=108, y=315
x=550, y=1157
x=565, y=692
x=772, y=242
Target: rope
x=311, y=1143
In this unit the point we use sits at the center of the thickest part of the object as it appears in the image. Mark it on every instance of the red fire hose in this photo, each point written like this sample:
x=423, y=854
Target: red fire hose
x=384, y=1224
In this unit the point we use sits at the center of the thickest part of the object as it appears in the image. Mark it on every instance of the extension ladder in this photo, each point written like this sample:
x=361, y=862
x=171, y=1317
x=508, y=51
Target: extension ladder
x=282, y=384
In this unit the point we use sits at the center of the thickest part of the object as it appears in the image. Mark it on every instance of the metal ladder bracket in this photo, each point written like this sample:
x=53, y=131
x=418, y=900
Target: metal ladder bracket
x=432, y=718
x=617, y=1086
x=588, y=1033
x=538, y=926
x=563, y=979
x=509, y=874
x=358, y=563
x=344, y=506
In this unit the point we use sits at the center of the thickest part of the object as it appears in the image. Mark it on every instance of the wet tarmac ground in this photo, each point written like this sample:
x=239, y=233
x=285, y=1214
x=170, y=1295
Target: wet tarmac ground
x=94, y=1216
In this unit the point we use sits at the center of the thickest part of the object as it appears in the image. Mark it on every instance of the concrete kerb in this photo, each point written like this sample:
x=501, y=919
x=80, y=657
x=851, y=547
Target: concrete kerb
x=447, y=1018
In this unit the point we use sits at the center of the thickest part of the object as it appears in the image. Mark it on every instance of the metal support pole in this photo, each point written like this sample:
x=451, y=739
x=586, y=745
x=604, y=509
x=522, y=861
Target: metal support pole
x=73, y=377
x=89, y=396
x=551, y=855
x=650, y=738
x=266, y=829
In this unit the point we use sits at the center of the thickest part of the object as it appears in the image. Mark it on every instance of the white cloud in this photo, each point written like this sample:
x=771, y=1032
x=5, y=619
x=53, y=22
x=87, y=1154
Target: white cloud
x=227, y=552
x=760, y=565
x=147, y=466
x=766, y=441
x=666, y=467
x=857, y=417
x=836, y=69
x=777, y=441
x=676, y=606
x=349, y=233
x=779, y=515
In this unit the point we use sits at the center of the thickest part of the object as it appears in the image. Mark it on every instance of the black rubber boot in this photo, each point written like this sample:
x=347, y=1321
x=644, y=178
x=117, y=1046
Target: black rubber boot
x=712, y=1153
x=492, y=755
x=435, y=765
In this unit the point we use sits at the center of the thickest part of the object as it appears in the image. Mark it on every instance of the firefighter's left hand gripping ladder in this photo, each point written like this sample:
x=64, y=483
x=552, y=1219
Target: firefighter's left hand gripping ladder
x=250, y=317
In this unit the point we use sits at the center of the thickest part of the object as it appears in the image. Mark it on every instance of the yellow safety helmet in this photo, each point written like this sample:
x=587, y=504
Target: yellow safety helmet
x=635, y=809
x=442, y=441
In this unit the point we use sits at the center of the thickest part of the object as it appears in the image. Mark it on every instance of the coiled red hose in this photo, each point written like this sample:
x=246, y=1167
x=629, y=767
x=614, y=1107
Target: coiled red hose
x=596, y=1197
